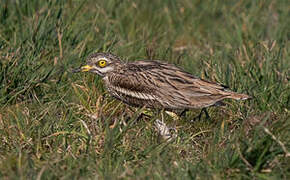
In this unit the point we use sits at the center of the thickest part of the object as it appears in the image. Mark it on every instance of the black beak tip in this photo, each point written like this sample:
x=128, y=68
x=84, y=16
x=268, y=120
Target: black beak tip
x=76, y=70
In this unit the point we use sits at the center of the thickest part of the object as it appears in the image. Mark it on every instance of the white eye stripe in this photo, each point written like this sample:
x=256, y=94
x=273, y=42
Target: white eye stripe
x=96, y=59
x=105, y=69
x=103, y=59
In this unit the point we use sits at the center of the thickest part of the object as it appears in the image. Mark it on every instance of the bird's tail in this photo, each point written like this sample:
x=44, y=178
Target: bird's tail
x=238, y=96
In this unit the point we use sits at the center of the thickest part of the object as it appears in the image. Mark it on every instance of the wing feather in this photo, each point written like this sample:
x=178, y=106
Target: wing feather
x=161, y=85
x=184, y=89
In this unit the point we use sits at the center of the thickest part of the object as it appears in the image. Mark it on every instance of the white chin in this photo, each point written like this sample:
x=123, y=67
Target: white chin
x=105, y=70
x=95, y=71
x=102, y=71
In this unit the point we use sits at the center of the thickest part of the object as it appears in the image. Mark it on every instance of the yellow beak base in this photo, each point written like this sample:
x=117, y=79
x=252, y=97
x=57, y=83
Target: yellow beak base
x=86, y=68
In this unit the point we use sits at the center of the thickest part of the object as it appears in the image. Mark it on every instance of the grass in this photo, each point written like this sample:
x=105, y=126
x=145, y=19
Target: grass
x=56, y=125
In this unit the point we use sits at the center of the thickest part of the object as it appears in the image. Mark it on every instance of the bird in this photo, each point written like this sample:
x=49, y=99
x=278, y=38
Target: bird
x=156, y=84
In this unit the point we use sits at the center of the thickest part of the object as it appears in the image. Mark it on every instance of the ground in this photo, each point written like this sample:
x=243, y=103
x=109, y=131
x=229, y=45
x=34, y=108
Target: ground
x=58, y=125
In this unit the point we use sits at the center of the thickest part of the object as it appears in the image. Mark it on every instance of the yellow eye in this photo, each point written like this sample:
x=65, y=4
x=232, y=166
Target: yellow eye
x=102, y=63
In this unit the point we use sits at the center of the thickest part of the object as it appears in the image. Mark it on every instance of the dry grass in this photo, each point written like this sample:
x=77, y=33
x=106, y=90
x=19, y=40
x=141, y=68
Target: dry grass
x=59, y=125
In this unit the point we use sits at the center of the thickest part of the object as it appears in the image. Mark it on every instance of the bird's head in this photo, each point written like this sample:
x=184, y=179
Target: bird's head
x=100, y=63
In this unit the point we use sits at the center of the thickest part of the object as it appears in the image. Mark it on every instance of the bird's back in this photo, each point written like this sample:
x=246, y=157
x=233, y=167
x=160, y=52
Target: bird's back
x=161, y=85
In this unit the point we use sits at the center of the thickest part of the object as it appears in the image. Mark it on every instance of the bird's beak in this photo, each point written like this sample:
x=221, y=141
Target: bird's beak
x=84, y=68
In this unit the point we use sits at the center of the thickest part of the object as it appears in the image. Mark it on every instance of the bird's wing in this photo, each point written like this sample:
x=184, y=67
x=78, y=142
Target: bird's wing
x=184, y=89
x=167, y=84
x=131, y=84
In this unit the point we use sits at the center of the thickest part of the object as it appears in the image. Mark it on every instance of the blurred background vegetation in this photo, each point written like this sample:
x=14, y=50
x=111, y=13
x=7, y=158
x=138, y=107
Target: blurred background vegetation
x=56, y=125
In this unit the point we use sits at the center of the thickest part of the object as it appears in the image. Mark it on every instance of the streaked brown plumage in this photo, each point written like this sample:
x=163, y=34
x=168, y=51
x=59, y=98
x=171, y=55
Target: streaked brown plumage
x=156, y=84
